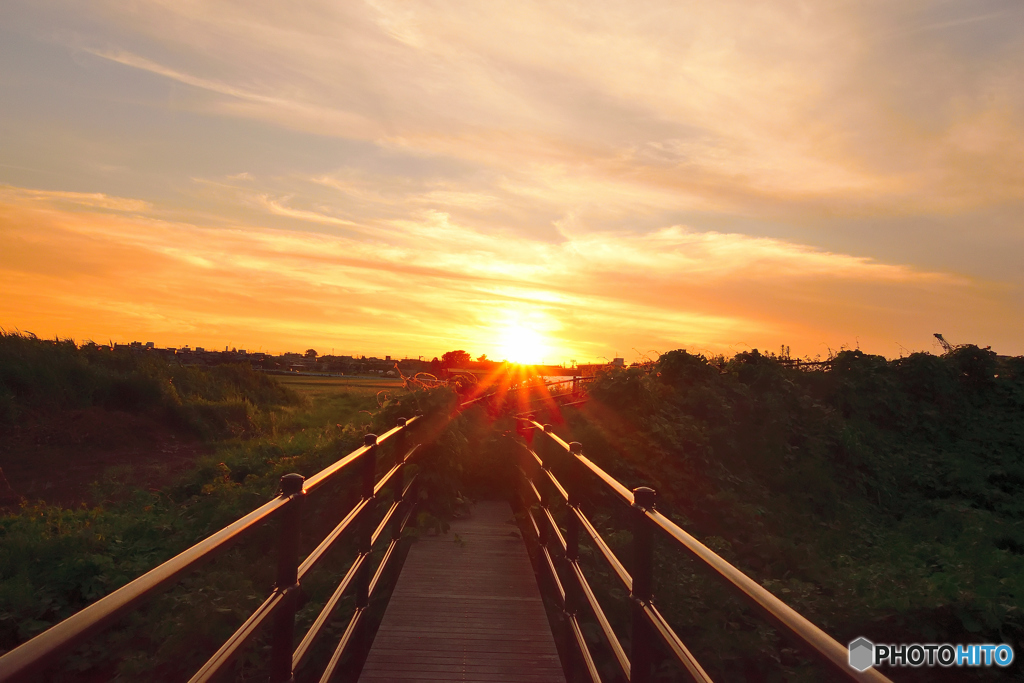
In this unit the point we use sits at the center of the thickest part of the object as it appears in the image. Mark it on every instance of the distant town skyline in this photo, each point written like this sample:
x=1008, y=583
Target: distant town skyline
x=297, y=351
x=535, y=181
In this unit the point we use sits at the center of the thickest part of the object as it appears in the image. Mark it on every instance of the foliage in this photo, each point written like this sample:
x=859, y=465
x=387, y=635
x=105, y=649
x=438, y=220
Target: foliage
x=55, y=561
x=455, y=359
x=880, y=497
x=42, y=377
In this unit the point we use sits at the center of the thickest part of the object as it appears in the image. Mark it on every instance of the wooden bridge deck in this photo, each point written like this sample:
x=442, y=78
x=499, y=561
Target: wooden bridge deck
x=467, y=608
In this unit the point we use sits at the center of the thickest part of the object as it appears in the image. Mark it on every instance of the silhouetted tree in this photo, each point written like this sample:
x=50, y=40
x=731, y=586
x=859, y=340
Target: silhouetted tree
x=454, y=359
x=311, y=353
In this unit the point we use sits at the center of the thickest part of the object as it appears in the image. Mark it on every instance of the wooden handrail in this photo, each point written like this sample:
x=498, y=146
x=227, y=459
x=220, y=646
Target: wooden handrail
x=27, y=661
x=646, y=617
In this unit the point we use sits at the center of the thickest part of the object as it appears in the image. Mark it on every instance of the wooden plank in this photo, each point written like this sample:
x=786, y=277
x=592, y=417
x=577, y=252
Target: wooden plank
x=466, y=608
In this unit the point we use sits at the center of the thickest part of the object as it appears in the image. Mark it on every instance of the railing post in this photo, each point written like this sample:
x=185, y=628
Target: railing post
x=572, y=554
x=287, y=580
x=572, y=522
x=643, y=565
x=396, y=531
x=368, y=469
x=530, y=432
x=542, y=486
x=401, y=441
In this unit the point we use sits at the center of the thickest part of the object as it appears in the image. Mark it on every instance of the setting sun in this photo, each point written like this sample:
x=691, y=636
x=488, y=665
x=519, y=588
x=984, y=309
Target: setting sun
x=522, y=345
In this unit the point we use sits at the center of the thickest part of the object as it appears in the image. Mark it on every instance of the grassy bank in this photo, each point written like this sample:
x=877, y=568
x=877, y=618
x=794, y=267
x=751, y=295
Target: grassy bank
x=56, y=559
x=878, y=498
x=43, y=377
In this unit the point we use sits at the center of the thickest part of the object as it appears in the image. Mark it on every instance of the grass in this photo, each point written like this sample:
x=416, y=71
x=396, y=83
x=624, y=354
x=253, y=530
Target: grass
x=880, y=498
x=335, y=400
x=42, y=377
x=55, y=560
x=328, y=386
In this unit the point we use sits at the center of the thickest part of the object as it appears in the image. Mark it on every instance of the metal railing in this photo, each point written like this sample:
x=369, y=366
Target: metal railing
x=575, y=594
x=575, y=384
x=31, y=659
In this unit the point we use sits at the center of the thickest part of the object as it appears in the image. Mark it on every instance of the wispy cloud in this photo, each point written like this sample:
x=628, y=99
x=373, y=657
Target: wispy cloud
x=743, y=106
x=96, y=200
x=683, y=173
x=587, y=292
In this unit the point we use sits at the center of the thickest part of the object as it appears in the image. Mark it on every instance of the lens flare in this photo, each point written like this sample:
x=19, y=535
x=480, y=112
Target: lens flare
x=520, y=344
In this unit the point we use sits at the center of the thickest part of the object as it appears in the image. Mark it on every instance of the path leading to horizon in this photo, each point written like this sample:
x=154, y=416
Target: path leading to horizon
x=467, y=608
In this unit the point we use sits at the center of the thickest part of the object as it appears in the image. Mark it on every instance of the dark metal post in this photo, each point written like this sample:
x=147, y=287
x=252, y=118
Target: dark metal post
x=368, y=467
x=542, y=486
x=572, y=522
x=544, y=451
x=399, y=481
x=572, y=554
x=287, y=580
x=643, y=565
x=530, y=432
x=401, y=441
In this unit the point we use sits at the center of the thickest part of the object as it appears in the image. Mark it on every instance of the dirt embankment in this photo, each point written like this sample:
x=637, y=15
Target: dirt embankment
x=88, y=456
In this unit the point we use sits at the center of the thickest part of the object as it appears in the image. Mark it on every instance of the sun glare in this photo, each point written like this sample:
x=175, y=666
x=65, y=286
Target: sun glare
x=522, y=345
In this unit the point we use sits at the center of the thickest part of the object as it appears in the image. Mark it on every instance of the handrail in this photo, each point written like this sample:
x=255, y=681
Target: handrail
x=34, y=656
x=35, y=653
x=779, y=612
x=602, y=619
x=520, y=386
x=645, y=615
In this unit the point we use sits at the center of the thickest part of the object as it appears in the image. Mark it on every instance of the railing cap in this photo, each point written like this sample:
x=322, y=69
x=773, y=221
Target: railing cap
x=291, y=484
x=575, y=447
x=402, y=421
x=644, y=497
x=548, y=429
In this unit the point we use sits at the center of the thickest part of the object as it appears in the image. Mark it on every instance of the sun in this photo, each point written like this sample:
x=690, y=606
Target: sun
x=520, y=344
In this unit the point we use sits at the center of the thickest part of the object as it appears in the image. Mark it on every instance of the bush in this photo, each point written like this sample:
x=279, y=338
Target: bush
x=41, y=376
x=876, y=497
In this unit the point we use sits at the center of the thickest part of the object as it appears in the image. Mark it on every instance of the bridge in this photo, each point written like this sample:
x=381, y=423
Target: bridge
x=501, y=597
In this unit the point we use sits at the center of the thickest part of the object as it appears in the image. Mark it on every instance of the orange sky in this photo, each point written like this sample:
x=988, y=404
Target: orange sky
x=582, y=179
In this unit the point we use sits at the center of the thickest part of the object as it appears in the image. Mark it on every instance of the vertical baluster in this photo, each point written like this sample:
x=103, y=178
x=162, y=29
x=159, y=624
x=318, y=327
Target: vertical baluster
x=530, y=432
x=643, y=563
x=287, y=580
x=401, y=441
x=572, y=522
x=542, y=486
x=399, y=481
x=368, y=467
x=572, y=554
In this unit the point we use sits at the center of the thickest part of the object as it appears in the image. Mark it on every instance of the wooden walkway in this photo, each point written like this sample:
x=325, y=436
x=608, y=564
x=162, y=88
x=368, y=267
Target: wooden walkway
x=467, y=608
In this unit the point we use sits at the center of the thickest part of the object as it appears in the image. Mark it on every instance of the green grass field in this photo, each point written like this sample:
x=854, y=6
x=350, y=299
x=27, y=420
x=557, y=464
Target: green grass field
x=316, y=387
x=337, y=400
x=231, y=433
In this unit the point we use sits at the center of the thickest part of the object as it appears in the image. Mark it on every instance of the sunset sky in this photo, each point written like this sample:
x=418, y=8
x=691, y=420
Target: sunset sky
x=589, y=179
